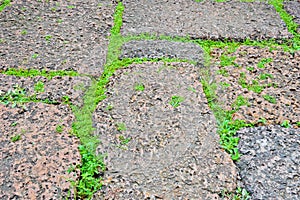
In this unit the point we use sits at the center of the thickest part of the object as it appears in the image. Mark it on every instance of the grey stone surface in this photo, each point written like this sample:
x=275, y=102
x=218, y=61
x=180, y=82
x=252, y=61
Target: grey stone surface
x=65, y=35
x=269, y=165
x=293, y=8
x=205, y=20
x=54, y=90
x=173, y=153
x=161, y=48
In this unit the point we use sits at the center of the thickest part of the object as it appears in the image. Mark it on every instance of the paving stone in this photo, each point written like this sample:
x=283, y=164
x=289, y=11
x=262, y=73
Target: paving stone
x=161, y=48
x=205, y=20
x=269, y=165
x=279, y=77
x=54, y=90
x=56, y=35
x=35, y=167
x=293, y=8
x=173, y=153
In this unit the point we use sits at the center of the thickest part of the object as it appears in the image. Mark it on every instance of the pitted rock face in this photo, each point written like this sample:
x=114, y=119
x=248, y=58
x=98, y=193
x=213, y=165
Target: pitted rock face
x=204, y=20
x=269, y=165
x=62, y=35
x=293, y=8
x=172, y=152
x=36, y=165
x=279, y=78
x=162, y=49
x=54, y=90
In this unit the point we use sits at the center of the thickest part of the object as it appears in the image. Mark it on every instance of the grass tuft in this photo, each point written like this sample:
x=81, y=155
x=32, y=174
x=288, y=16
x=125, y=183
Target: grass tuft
x=3, y=4
x=35, y=72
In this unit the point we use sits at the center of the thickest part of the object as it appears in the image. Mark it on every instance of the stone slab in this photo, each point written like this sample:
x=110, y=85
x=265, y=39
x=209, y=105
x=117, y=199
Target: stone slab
x=173, y=153
x=35, y=166
x=279, y=78
x=205, y=20
x=269, y=165
x=160, y=49
x=54, y=90
x=65, y=35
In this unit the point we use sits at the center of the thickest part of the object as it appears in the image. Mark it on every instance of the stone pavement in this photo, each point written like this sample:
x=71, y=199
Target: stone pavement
x=157, y=125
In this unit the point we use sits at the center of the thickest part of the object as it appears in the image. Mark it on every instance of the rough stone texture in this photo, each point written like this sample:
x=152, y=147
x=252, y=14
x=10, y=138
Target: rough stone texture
x=293, y=8
x=269, y=165
x=54, y=89
x=173, y=152
x=159, y=49
x=205, y=20
x=285, y=71
x=79, y=42
x=35, y=167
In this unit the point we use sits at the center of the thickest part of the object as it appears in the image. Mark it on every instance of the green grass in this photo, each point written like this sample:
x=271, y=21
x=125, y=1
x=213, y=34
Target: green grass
x=35, y=55
x=48, y=38
x=18, y=97
x=121, y=126
x=254, y=86
x=15, y=138
x=14, y=124
x=24, y=32
x=239, y=194
x=3, y=4
x=227, y=61
x=59, y=21
x=59, y=128
x=139, y=87
x=92, y=165
x=109, y=107
x=285, y=124
x=91, y=168
x=223, y=72
x=265, y=76
x=264, y=61
x=270, y=98
x=39, y=87
x=123, y=140
x=225, y=85
x=176, y=101
x=34, y=72
x=288, y=19
x=240, y=101
x=262, y=121
x=250, y=69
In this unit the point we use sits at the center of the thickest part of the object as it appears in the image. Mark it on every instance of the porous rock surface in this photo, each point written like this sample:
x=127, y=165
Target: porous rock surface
x=65, y=35
x=281, y=81
x=35, y=167
x=160, y=49
x=293, y=8
x=269, y=165
x=204, y=20
x=173, y=153
x=55, y=89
